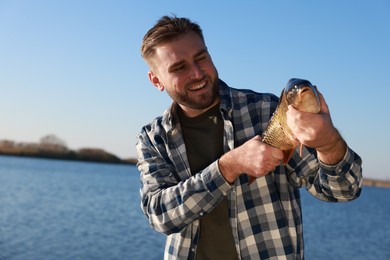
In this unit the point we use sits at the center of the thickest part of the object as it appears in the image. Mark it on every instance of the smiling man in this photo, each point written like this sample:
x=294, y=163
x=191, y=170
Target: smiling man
x=185, y=70
x=196, y=159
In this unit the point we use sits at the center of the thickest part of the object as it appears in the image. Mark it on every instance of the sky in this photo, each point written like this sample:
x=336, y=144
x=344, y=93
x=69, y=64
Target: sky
x=73, y=68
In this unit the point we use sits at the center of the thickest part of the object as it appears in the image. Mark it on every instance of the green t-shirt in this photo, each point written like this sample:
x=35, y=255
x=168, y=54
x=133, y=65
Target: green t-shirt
x=203, y=137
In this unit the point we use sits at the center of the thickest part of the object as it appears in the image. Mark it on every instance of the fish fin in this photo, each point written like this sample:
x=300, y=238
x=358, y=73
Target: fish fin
x=287, y=155
x=300, y=150
x=251, y=179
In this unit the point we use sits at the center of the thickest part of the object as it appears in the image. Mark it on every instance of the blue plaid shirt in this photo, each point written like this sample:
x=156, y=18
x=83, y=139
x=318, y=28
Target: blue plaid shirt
x=265, y=217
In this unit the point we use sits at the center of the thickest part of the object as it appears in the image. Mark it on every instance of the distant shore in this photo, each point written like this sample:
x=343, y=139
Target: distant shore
x=376, y=183
x=57, y=150
x=130, y=161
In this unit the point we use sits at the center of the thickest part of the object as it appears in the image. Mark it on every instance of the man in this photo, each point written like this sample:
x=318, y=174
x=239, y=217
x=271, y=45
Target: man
x=195, y=159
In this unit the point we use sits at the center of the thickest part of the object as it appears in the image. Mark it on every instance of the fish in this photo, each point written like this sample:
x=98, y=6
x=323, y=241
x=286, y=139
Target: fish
x=303, y=96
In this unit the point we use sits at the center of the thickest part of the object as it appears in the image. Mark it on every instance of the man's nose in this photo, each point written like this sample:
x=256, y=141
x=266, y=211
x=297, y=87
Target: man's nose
x=196, y=71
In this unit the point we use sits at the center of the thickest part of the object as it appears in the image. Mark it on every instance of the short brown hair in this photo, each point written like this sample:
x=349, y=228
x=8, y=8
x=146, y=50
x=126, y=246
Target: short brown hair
x=166, y=29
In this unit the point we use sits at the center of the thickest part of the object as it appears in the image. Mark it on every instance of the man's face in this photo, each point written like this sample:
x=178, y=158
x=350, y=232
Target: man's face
x=185, y=70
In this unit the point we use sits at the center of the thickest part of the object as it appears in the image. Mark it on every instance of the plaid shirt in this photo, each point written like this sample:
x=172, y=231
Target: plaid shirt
x=265, y=217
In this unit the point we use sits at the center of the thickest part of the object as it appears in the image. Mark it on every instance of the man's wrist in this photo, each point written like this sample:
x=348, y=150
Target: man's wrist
x=225, y=164
x=333, y=152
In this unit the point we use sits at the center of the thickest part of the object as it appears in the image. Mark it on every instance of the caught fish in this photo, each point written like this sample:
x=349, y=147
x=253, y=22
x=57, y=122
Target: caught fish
x=303, y=96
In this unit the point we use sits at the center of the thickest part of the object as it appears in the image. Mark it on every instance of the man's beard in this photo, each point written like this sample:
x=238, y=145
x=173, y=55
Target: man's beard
x=199, y=102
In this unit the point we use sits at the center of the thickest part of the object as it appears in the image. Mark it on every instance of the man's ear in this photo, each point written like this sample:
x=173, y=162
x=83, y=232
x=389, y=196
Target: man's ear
x=155, y=81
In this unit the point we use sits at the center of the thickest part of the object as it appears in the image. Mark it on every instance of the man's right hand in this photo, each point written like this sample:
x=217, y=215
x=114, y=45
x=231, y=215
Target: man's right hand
x=254, y=158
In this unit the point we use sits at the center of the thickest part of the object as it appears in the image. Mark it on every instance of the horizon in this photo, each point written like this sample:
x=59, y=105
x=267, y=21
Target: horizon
x=74, y=69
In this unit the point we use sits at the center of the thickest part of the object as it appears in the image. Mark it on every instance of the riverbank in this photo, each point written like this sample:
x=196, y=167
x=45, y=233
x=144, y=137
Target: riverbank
x=59, y=151
x=376, y=183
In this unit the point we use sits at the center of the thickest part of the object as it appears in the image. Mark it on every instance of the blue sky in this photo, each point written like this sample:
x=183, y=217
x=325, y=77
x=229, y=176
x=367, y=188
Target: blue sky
x=73, y=68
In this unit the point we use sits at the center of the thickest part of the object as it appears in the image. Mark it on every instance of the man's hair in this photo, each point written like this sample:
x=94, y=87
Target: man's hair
x=165, y=30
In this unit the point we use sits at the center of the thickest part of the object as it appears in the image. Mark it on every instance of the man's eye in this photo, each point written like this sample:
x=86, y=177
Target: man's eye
x=178, y=68
x=200, y=58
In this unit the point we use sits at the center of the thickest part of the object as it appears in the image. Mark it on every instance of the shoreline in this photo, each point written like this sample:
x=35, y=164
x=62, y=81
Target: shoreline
x=370, y=182
x=51, y=147
x=376, y=183
x=94, y=159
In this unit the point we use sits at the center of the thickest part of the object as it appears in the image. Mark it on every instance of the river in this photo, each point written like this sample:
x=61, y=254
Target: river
x=53, y=209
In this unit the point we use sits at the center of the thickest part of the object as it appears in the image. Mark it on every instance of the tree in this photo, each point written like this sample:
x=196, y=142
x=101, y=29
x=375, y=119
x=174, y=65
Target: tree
x=52, y=140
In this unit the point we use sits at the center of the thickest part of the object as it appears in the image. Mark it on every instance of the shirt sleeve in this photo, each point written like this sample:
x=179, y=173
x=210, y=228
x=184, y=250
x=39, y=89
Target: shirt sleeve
x=337, y=183
x=171, y=198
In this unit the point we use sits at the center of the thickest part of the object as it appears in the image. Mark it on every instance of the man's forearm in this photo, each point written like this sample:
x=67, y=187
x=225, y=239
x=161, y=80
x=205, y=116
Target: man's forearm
x=226, y=166
x=333, y=152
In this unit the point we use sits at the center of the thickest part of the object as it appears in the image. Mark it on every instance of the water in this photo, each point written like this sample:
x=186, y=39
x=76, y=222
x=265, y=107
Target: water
x=52, y=209
x=355, y=230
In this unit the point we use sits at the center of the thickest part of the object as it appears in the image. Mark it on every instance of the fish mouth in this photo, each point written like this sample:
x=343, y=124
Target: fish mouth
x=303, y=95
x=308, y=96
x=304, y=89
x=308, y=89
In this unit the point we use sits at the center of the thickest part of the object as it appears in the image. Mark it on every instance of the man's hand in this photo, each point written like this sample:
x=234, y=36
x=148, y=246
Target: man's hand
x=254, y=158
x=317, y=131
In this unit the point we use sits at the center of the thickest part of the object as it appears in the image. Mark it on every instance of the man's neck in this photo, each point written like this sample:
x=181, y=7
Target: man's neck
x=191, y=112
